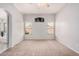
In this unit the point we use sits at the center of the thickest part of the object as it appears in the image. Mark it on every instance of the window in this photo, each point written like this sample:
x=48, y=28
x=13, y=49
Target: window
x=39, y=19
x=50, y=27
x=28, y=28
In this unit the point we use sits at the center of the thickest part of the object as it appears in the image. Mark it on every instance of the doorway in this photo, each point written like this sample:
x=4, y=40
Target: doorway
x=4, y=31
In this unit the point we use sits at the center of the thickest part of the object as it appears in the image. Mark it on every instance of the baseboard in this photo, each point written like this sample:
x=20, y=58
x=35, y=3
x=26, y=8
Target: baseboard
x=16, y=43
x=3, y=50
x=67, y=46
x=11, y=46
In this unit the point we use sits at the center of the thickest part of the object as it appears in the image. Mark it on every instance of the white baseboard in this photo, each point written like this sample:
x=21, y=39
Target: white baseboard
x=3, y=50
x=17, y=43
x=67, y=46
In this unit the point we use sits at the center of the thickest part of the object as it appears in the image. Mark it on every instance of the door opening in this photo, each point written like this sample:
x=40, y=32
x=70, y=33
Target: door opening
x=4, y=33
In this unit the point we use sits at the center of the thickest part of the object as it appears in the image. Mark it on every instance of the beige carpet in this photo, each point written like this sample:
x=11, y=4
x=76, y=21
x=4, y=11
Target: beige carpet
x=39, y=48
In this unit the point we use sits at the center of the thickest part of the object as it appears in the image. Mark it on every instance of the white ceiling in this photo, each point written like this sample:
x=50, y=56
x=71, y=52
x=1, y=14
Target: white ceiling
x=33, y=8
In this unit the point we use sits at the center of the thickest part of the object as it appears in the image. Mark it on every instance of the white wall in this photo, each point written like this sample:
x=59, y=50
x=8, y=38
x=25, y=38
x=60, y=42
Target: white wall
x=67, y=26
x=39, y=30
x=16, y=24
